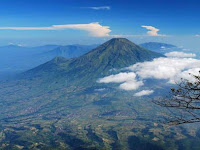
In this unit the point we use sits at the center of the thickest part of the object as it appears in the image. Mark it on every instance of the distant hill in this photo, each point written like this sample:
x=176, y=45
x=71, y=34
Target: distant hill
x=69, y=51
x=18, y=58
x=160, y=47
x=15, y=49
x=15, y=58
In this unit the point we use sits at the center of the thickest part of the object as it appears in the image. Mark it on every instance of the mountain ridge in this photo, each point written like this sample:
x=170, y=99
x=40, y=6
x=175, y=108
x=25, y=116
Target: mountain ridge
x=160, y=47
x=70, y=51
x=116, y=53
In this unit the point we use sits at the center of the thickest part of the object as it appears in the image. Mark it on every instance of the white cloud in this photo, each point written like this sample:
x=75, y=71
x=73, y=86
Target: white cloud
x=188, y=74
x=119, y=78
x=143, y=93
x=164, y=68
x=171, y=69
x=180, y=54
x=99, y=8
x=197, y=35
x=131, y=85
x=94, y=29
x=152, y=31
x=128, y=80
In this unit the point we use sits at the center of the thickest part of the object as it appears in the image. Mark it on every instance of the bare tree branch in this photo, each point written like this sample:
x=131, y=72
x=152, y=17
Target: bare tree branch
x=183, y=102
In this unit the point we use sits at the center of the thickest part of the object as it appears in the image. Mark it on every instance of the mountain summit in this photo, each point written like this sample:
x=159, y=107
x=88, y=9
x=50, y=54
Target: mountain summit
x=120, y=52
x=114, y=54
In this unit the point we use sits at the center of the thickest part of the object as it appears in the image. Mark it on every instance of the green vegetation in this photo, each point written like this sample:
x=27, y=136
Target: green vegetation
x=59, y=105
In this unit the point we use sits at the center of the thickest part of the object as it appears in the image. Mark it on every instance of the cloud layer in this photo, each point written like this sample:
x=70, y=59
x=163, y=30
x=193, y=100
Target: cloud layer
x=94, y=29
x=171, y=69
x=180, y=54
x=119, y=78
x=164, y=68
x=128, y=80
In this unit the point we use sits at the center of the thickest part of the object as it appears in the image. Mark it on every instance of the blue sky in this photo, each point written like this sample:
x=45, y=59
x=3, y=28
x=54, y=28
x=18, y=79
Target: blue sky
x=178, y=21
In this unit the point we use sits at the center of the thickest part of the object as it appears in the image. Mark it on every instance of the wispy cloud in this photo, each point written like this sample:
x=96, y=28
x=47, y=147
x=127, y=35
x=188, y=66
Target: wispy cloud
x=128, y=80
x=197, y=35
x=143, y=93
x=10, y=43
x=153, y=31
x=99, y=8
x=94, y=29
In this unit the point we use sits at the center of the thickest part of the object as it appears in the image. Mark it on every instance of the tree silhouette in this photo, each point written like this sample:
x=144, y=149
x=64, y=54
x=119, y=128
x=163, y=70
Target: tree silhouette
x=183, y=102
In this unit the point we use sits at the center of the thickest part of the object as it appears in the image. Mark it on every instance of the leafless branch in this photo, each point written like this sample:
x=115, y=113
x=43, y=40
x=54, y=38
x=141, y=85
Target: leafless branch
x=183, y=102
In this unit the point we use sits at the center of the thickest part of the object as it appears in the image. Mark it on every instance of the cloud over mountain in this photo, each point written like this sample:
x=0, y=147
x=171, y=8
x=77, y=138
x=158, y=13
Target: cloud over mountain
x=171, y=69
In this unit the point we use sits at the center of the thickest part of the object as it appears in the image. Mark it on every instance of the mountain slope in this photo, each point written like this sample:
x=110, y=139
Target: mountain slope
x=114, y=54
x=19, y=58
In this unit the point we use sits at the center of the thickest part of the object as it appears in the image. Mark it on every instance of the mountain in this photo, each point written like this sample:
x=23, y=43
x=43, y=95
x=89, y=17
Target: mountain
x=160, y=47
x=164, y=48
x=44, y=48
x=115, y=54
x=59, y=105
